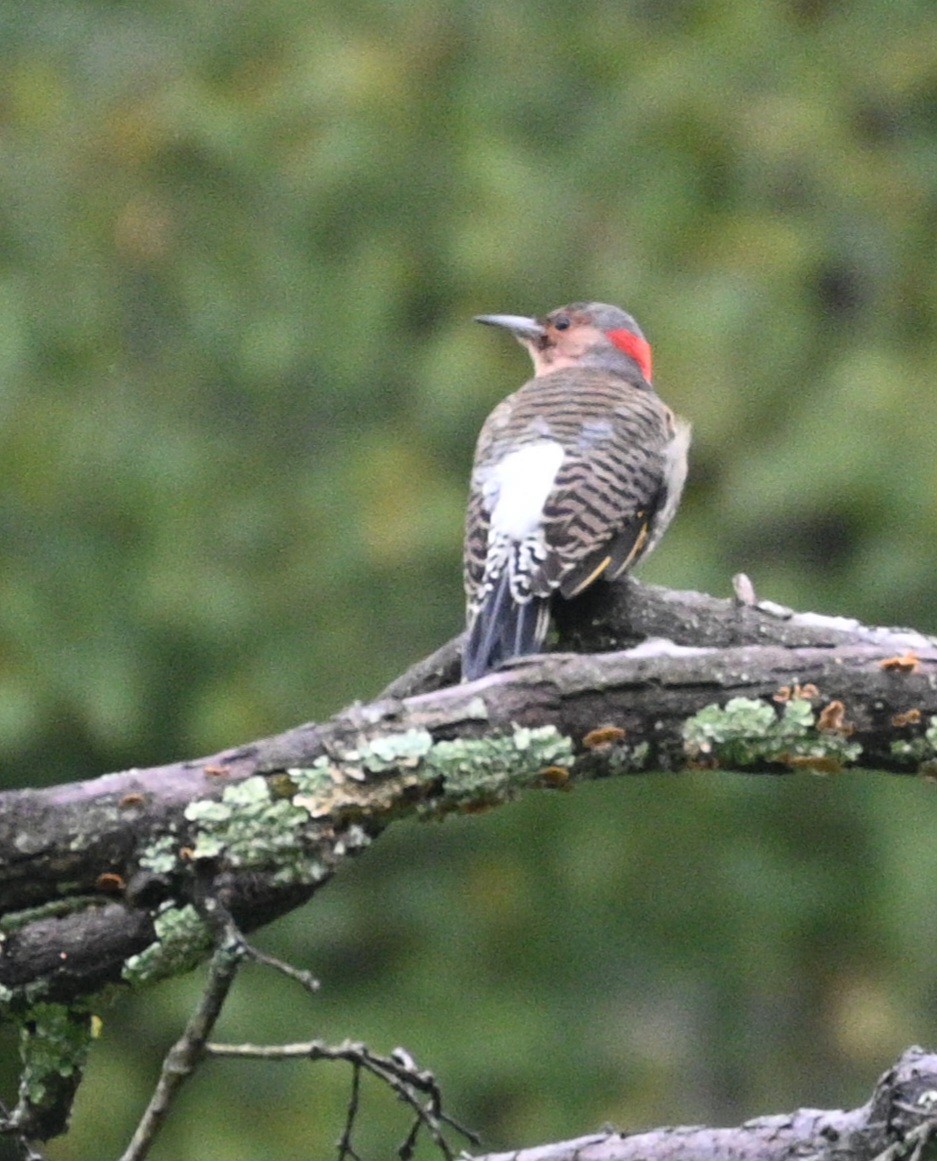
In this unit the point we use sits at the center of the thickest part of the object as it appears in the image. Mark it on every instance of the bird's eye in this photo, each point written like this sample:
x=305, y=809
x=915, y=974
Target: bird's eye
x=561, y=323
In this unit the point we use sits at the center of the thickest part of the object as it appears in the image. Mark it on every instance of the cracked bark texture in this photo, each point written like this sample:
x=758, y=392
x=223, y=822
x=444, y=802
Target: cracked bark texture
x=80, y=886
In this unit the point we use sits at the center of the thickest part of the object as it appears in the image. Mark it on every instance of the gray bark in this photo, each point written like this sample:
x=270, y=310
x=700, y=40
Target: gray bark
x=891, y=1125
x=77, y=897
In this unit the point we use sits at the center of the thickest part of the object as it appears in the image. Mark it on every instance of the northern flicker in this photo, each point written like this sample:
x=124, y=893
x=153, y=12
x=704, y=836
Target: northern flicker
x=576, y=476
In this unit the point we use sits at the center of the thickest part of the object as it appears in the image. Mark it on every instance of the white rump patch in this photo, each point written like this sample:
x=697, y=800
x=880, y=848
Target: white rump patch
x=517, y=486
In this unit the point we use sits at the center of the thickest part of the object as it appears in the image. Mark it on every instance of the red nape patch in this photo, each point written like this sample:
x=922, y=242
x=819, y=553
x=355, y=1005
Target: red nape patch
x=639, y=349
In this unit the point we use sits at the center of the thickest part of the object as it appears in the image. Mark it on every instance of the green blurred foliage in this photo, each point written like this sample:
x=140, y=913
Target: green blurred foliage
x=240, y=247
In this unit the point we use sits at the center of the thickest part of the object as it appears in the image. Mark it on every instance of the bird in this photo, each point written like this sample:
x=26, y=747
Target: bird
x=575, y=478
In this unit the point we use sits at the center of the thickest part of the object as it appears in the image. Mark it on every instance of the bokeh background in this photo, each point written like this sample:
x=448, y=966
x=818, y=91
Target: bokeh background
x=241, y=243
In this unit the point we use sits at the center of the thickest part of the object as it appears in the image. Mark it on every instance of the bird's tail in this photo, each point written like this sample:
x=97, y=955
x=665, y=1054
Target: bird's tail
x=503, y=627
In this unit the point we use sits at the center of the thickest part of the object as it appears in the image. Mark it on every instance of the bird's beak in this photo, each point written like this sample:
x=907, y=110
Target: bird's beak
x=523, y=329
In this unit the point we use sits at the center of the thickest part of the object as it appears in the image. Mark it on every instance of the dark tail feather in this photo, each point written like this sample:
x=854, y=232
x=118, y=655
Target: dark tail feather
x=502, y=629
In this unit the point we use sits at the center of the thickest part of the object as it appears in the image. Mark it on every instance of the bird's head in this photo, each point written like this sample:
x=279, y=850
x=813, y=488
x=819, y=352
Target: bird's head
x=582, y=334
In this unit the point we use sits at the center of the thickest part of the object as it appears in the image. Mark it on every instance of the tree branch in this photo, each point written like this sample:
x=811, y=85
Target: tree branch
x=414, y=1086
x=110, y=880
x=895, y=1123
x=100, y=881
x=182, y=1058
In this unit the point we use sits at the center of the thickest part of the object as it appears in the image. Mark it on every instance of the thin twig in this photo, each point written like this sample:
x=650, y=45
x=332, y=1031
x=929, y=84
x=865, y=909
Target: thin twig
x=182, y=1058
x=344, y=1142
x=398, y=1071
x=422, y=1115
x=305, y=978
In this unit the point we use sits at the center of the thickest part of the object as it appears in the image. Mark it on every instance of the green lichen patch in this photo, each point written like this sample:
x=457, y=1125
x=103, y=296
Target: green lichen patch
x=347, y=788
x=248, y=825
x=437, y=776
x=380, y=755
x=911, y=751
x=254, y=826
x=339, y=798
x=396, y=751
x=315, y=780
x=747, y=732
x=54, y=1043
x=182, y=941
x=495, y=768
x=161, y=855
x=920, y=751
x=627, y=759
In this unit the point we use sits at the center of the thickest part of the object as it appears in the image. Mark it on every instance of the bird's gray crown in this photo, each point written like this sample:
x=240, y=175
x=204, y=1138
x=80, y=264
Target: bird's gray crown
x=605, y=316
